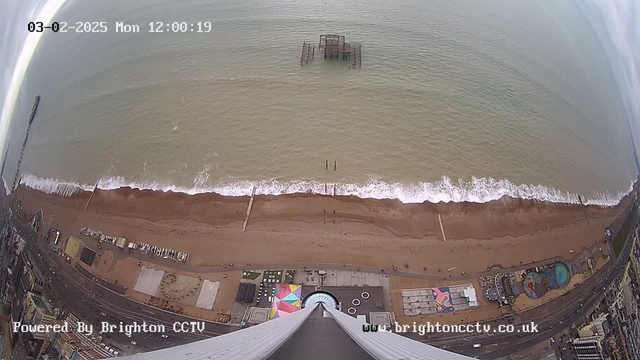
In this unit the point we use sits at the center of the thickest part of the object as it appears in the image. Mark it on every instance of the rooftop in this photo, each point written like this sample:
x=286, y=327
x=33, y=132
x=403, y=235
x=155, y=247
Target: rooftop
x=41, y=303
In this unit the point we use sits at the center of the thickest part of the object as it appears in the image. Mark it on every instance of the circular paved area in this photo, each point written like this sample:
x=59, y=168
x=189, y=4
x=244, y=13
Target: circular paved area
x=106, y=262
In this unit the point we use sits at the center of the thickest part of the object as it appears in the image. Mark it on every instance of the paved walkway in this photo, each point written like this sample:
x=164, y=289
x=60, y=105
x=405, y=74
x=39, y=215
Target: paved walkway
x=329, y=266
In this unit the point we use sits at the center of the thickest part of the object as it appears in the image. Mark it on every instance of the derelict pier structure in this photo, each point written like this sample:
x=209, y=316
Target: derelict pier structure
x=333, y=47
x=308, y=52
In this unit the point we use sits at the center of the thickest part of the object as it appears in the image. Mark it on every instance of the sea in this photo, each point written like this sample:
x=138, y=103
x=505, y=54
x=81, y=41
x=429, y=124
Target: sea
x=455, y=100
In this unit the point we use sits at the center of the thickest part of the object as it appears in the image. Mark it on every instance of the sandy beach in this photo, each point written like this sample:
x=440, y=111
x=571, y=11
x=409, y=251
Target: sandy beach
x=346, y=230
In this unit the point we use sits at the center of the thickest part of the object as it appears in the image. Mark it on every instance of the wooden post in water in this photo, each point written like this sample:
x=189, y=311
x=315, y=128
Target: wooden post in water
x=91, y=197
x=334, y=189
x=326, y=164
x=335, y=164
x=246, y=220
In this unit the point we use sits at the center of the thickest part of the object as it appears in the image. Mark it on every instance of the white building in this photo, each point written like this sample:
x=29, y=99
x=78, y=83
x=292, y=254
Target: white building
x=588, y=348
x=598, y=326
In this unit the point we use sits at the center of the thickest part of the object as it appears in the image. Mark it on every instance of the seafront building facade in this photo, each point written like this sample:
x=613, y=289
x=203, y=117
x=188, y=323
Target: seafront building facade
x=589, y=348
x=36, y=310
x=614, y=328
x=597, y=327
x=623, y=304
x=73, y=345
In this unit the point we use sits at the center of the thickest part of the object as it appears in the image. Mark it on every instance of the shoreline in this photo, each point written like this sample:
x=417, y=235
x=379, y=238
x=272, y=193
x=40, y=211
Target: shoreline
x=477, y=190
x=341, y=229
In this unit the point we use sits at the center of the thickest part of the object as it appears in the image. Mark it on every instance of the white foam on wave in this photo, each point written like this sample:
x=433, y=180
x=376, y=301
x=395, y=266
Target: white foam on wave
x=53, y=186
x=477, y=190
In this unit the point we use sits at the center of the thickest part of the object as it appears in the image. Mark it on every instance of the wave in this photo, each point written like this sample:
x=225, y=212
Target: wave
x=53, y=186
x=477, y=190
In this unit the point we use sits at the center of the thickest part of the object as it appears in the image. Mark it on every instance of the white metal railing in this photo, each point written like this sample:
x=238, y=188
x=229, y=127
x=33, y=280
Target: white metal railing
x=261, y=341
x=253, y=343
x=387, y=345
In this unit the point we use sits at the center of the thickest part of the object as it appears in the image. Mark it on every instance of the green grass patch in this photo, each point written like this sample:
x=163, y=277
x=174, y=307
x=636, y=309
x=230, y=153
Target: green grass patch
x=623, y=234
x=251, y=275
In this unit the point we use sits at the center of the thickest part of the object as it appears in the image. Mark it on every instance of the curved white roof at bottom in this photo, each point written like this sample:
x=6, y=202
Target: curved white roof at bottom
x=320, y=297
x=255, y=342
x=387, y=345
x=261, y=341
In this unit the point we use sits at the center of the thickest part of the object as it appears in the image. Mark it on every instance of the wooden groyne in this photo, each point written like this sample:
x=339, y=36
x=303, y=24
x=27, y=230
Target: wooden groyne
x=444, y=237
x=26, y=136
x=246, y=220
x=90, y=197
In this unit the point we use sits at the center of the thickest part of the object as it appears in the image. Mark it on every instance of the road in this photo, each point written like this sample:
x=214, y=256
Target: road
x=74, y=290
x=320, y=266
x=567, y=310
